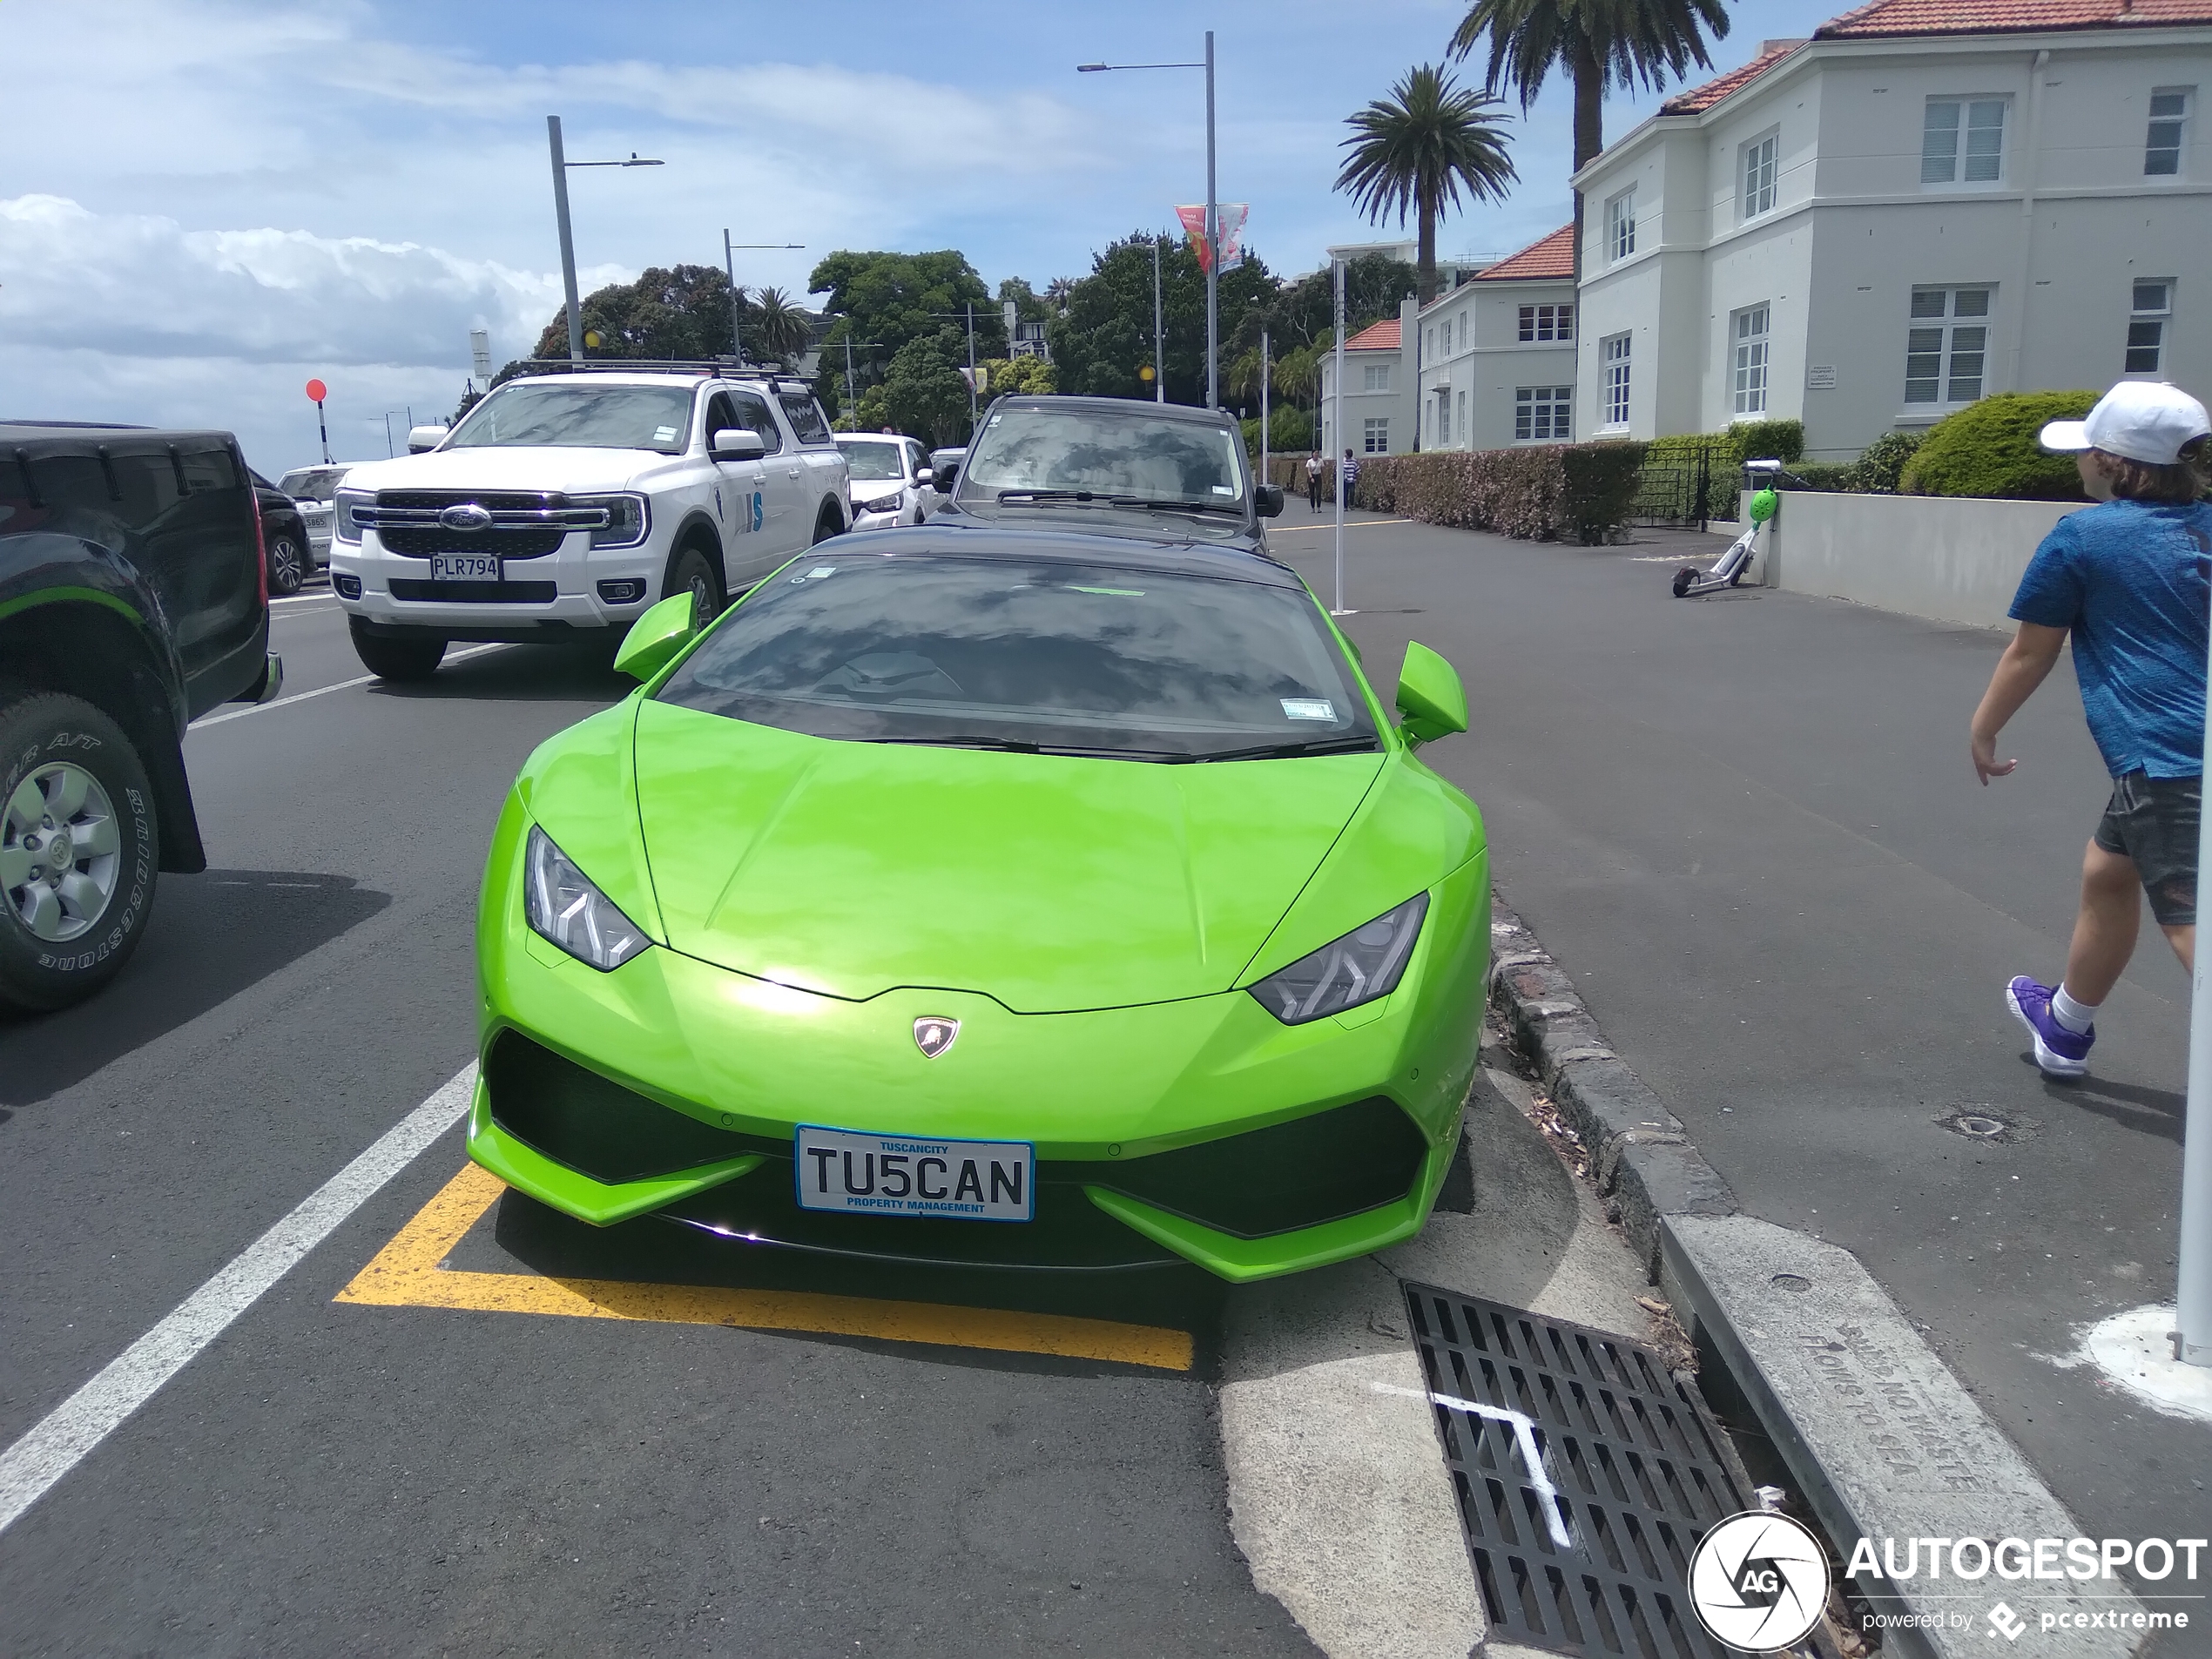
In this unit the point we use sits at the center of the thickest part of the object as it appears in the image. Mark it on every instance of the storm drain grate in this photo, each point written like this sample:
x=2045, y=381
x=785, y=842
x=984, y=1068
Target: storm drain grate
x=1586, y=1475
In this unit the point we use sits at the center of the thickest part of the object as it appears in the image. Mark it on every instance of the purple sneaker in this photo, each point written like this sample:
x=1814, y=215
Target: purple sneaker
x=2058, y=1052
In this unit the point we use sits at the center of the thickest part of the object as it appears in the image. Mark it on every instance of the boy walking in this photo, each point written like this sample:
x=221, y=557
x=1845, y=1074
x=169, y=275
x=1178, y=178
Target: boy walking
x=2129, y=579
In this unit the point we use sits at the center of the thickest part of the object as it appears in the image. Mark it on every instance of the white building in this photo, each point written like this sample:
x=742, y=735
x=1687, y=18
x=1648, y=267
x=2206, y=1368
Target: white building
x=1380, y=389
x=1497, y=354
x=1928, y=201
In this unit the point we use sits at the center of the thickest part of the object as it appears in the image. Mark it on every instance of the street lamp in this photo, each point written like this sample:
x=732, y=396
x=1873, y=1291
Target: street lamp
x=730, y=263
x=561, y=165
x=1213, y=216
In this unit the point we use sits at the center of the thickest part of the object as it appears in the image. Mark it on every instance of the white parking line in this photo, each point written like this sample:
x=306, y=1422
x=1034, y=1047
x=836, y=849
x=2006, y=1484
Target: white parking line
x=321, y=691
x=66, y=1434
x=1524, y=1433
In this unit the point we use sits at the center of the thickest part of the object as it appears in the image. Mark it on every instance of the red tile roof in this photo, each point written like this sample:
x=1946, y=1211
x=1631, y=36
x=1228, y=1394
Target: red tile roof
x=1699, y=99
x=1376, y=336
x=2006, y=16
x=1550, y=256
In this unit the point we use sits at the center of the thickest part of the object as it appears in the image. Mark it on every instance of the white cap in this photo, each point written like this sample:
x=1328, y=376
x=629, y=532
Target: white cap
x=2146, y=421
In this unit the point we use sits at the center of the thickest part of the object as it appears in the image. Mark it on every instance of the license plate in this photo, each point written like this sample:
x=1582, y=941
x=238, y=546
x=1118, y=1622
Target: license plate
x=903, y=1175
x=465, y=567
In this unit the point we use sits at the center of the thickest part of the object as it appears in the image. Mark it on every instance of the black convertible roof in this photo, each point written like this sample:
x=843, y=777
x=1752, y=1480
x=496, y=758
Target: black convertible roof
x=1124, y=552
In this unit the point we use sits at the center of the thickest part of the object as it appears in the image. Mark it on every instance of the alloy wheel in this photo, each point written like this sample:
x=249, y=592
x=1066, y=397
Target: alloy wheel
x=60, y=851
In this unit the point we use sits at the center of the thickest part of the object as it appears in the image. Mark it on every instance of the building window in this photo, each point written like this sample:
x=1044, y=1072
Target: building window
x=1621, y=225
x=1944, y=349
x=1547, y=322
x=1750, y=337
x=2153, y=305
x=2170, y=117
x=1758, y=175
x=1376, y=435
x=1375, y=377
x=1443, y=419
x=1541, y=413
x=1465, y=435
x=1615, y=353
x=1963, y=141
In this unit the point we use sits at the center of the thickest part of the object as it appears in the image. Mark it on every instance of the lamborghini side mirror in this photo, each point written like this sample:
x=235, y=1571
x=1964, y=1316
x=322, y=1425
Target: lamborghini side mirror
x=1430, y=697
x=655, y=637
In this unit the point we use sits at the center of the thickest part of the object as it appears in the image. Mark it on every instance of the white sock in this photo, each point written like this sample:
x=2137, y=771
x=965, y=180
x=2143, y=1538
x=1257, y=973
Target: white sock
x=2076, y=1017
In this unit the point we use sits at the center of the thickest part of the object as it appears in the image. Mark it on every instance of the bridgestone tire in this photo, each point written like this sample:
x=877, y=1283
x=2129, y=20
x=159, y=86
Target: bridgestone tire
x=38, y=731
x=692, y=569
x=411, y=655
x=288, y=563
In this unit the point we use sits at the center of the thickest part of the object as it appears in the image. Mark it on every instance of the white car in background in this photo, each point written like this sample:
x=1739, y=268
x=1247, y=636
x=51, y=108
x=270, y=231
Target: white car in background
x=312, y=489
x=891, y=480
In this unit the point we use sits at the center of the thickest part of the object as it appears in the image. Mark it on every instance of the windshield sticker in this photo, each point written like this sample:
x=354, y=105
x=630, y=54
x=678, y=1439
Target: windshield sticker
x=1118, y=593
x=663, y=435
x=1224, y=490
x=819, y=571
x=1308, y=708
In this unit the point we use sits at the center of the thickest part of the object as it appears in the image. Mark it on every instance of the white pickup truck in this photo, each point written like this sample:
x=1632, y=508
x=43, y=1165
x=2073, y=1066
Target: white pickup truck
x=570, y=501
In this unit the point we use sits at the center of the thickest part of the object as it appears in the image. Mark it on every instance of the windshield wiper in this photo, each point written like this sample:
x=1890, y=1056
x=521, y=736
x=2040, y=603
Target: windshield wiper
x=1234, y=511
x=1028, y=495
x=1302, y=746
x=963, y=741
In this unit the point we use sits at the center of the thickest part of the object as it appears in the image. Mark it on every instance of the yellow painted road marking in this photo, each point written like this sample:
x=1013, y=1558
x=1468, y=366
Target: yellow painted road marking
x=406, y=1273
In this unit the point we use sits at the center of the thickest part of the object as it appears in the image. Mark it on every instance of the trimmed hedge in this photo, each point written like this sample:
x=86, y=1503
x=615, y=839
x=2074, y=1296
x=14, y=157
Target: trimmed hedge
x=1988, y=449
x=1578, y=492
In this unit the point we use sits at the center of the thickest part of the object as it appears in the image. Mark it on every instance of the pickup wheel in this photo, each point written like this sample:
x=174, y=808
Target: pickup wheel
x=287, y=563
x=78, y=850
x=393, y=655
x=693, y=572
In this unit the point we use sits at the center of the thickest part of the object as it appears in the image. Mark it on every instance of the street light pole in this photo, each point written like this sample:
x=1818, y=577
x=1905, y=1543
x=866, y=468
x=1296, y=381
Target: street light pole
x=730, y=265
x=1213, y=250
x=1336, y=437
x=971, y=371
x=1213, y=223
x=561, y=165
x=1264, y=377
x=2193, y=1291
x=1159, y=334
x=568, y=242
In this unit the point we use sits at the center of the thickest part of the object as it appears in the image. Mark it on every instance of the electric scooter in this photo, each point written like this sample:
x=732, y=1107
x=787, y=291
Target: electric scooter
x=1690, y=582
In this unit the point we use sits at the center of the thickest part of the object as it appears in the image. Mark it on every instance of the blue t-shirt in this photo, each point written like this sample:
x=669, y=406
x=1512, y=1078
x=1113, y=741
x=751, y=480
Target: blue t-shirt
x=2132, y=580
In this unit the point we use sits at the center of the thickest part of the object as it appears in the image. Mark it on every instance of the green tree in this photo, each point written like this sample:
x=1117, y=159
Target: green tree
x=776, y=326
x=883, y=302
x=922, y=392
x=1597, y=44
x=680, y=313
x=1017, y=376
x=1106, y=335
x=1416, y=150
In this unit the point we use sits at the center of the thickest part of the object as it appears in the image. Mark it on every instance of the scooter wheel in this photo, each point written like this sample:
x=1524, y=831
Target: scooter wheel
x=1684, y=577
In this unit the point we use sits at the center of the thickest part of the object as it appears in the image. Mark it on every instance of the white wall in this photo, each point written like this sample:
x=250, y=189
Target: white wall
x=1947, y=559
x=1489, y=360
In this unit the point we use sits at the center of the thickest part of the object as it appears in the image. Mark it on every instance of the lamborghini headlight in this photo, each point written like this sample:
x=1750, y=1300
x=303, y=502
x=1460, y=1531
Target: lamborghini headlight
x=562, y=905
x=1363, y=965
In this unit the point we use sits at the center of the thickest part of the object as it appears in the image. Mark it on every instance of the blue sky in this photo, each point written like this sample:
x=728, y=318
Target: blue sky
x=204, y=202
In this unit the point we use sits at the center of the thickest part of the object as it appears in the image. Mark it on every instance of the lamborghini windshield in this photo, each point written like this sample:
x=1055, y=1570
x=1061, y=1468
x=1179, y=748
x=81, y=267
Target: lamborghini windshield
x=1004, y=653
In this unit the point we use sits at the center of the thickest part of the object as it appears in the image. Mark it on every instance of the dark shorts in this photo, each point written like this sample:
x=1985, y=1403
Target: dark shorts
x=2153, y=821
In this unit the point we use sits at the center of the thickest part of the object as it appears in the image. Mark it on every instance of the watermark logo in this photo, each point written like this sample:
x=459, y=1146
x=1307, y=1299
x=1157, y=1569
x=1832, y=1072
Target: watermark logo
x=1759, y=1582
x=2003, y=1622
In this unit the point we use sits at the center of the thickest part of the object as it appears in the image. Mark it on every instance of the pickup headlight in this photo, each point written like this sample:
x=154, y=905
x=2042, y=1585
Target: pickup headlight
x=347, y=528
x=628, y=520
x=1363, y=965
x=562, y=905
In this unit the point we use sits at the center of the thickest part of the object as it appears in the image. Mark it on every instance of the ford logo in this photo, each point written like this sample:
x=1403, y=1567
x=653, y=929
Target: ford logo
x=465, y=516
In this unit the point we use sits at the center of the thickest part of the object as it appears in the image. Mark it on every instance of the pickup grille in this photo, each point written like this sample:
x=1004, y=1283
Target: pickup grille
x=495, y=593
x=525, y=524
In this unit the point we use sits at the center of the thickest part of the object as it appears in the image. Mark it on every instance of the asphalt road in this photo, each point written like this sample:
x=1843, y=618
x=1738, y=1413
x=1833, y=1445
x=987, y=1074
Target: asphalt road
x=1749, y=828
x=336, y=1478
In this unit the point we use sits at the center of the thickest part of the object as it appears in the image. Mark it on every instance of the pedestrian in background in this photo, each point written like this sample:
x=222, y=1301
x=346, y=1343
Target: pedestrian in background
x=1348, y=480
x=2129, y=580
x=1314, y=480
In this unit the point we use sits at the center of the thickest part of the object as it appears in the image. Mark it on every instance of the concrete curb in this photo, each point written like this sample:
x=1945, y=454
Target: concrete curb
x=1645, y=1166
x=1880, y=1437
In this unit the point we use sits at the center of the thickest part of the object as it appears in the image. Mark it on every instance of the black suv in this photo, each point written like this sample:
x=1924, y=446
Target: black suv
x=1113, y=465
x=289, y=556
x=134, y=597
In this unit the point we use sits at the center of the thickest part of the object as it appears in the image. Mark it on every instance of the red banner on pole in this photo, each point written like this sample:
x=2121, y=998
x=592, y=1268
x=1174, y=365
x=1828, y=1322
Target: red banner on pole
x=1229, y=221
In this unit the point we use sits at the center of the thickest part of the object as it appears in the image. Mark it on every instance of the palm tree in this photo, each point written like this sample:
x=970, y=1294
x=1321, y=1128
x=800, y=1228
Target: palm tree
x=1413, y=151
x=778, y=327
x=1598, y=43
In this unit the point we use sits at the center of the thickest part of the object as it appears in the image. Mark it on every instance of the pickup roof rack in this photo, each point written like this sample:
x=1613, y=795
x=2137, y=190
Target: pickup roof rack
x=726, y=368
